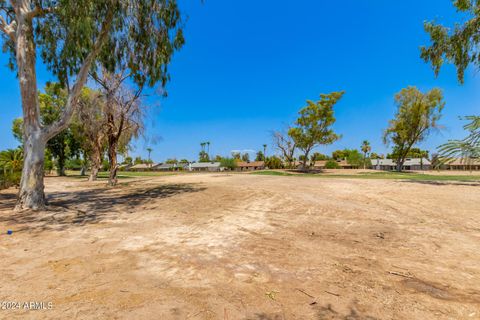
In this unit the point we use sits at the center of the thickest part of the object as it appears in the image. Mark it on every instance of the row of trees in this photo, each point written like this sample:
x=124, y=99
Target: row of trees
x=99, y=126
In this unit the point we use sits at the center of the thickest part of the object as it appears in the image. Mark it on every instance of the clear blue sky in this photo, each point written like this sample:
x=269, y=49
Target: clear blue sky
x=248, y=67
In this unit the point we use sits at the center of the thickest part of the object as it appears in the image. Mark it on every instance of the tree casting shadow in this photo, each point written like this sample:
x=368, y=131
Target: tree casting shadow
x=78, y=208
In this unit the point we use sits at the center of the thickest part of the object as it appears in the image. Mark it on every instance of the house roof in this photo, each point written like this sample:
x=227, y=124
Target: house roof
x=143, y=166
x=165, y=166
x=320, y=163
x=250, y=164
x=463, y=162
x=205, y=165
x=408, y=162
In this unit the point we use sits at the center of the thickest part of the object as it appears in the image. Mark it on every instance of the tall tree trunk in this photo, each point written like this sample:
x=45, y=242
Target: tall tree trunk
x=31, y=194
x=96, y=159
x=112, y=159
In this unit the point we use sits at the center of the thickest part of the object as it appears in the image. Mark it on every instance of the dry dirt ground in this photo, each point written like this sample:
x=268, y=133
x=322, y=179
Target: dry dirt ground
x=240, y=246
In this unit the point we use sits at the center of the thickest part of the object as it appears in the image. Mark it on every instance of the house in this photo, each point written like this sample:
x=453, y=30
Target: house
x=124, y=167
x=164, y=167
x=250, y=166
x=410, y=164
x=205, y=166
x=462, y=164
x=320, y=165
x=142, y=167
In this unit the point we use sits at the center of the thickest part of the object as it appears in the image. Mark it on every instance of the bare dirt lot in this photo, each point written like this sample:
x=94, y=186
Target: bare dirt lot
x=240, y=246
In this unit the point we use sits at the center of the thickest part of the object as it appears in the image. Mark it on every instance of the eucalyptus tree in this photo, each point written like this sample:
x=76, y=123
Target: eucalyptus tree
x=459, y=45
x=88, y=127
x=417, y=114
x=70, y=36
x=286, y=145
x=314, y=126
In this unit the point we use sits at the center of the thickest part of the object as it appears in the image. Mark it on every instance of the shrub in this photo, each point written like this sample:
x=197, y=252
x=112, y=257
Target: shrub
x=10, y=179
x=332, y=164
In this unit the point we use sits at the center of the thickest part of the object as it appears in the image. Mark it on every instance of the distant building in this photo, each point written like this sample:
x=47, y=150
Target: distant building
x=142, y=167
x=170, y=166
x=462, y=164
x=250, y=166
x=205, y=166
x=124, y=167
x=410, y=164
x=320, y=165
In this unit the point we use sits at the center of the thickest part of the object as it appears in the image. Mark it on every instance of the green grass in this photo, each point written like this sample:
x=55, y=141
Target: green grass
x=122, y=174
x=377, y=175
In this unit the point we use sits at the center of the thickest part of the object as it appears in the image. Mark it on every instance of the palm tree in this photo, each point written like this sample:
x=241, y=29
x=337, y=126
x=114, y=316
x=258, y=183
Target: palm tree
x=366, y=148
x=208, y=149
x=467, y=149
x=11, y=159
x=265, y=152
x=149, y=152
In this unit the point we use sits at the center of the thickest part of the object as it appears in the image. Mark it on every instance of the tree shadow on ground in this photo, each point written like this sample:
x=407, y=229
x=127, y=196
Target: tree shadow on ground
x=7, y=200
x=78, y=208
x=472, y=183
x=321, y=313
x=328, y=313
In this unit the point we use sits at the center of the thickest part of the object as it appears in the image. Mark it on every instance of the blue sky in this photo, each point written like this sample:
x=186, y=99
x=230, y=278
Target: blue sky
x=248, y=67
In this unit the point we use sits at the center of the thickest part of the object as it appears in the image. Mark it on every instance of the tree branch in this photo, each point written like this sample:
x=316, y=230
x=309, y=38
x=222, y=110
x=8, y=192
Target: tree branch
x=71, y=105
x=39, y=12
x=8, y=29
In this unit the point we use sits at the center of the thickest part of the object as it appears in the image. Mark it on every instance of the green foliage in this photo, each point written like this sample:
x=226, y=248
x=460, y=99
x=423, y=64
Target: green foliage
x=128, y=160
x=142, y=34
x=317, y=156
x=459, y=46
x=355, y=158
x=11, y=160
x=236, y=155
x=340, y=154
x=228, y=163
x=11, y=163
x=172, y=161
x=246, y=157
x=314, y=125
x=374, y=155
x=74, y=164
x=332, y=164
x=63, y=145
x=274, y=162
x=105, y=165
x=417, y=114
x=412, y=153
x=203, y=156
x=259, y=156
x=138, y=160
